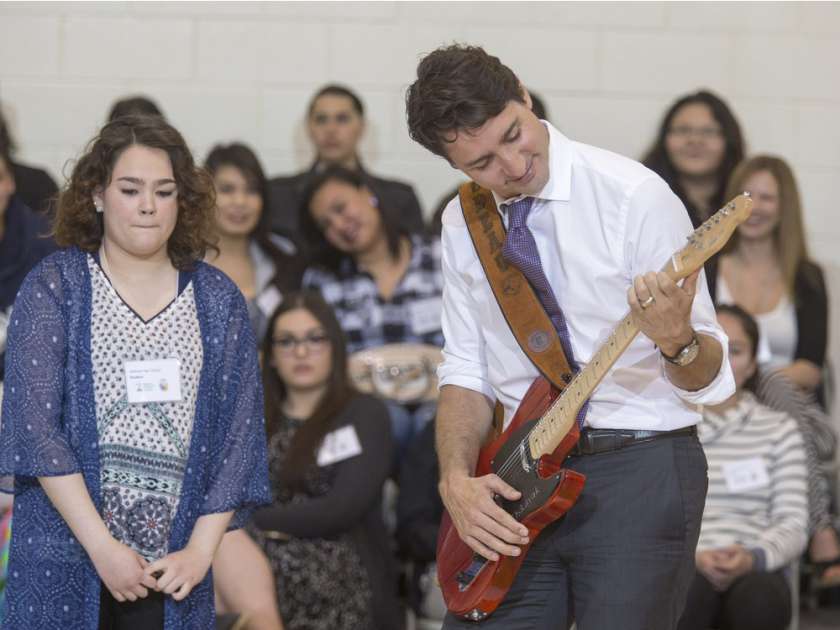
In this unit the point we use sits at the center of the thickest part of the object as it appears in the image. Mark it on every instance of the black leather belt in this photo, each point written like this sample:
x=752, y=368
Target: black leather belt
x=594, y=441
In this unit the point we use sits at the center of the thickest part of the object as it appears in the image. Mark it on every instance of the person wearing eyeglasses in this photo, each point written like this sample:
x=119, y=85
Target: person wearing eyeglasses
x=329, y=454
x=698, y=145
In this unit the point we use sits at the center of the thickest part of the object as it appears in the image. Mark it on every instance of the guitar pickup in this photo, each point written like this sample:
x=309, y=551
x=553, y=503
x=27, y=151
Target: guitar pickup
x=465, y=577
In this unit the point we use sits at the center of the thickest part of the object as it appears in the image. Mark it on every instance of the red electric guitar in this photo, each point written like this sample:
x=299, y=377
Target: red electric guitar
x=530, y=453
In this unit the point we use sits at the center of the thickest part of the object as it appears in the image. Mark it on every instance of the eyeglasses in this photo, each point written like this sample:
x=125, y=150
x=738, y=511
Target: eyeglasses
x=704, y=133
x=313, y=342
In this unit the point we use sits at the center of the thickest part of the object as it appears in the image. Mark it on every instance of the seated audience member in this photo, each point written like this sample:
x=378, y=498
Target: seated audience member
x=134, y=106
x=263, y=265
x=35, y=188
x=756, y=515
x=329, y=454
x=336, y=123
x=24, y=241
x=698, y=145
x=538, y=107
x=765, y=268
x=384, y=285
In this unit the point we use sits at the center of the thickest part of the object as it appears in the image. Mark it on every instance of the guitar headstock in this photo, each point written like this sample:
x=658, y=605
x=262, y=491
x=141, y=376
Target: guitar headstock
x=709, y=238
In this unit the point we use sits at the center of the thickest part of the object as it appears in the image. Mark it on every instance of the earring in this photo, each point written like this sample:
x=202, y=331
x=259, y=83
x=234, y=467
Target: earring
x=374, y=201
x=99, y=209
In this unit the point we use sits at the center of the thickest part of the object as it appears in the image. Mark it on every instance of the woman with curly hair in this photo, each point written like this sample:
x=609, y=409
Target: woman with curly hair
x=132, y=418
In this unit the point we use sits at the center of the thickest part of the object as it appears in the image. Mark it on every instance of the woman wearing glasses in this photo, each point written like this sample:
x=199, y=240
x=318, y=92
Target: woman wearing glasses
x=698, y=145
x=329, y=454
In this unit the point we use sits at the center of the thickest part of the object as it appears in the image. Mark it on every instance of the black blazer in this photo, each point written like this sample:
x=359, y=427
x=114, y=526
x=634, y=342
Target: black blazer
x=810, y=304
x=285, y=195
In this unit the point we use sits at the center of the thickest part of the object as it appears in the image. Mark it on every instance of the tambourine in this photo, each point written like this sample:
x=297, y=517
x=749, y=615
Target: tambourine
x=402, y=372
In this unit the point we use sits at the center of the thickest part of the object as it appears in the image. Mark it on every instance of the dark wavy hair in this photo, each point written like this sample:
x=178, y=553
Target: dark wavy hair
x=658, y=160
x=750, y=327
x=78, y=224
x=241, y=157
x=134, y=106
x=301, y=454
x=333, y=89
x=324, y=253
x=458, y=87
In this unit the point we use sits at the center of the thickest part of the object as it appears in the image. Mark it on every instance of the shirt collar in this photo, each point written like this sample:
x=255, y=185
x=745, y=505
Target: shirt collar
x=559, y=184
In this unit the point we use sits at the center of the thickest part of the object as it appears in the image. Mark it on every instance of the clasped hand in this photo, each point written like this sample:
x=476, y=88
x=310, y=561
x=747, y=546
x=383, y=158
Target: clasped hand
x=482, y=524
x=723, y=566
x=128, y=577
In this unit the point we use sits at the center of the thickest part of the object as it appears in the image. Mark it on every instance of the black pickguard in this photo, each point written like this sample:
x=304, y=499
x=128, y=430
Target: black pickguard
x=521, y=473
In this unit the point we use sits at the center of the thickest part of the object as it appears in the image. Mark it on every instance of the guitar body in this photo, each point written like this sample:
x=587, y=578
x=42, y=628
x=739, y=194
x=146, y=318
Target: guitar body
x=473, y=586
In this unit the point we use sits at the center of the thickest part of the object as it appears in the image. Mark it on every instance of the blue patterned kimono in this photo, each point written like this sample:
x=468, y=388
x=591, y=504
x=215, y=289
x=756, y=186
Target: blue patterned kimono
x=49, y=428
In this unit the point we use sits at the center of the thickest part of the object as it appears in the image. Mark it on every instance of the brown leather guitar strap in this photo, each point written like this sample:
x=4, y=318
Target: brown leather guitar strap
x=520, y=305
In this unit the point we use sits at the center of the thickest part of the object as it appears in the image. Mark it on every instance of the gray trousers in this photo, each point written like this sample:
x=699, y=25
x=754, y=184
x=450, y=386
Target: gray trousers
x=623, y=557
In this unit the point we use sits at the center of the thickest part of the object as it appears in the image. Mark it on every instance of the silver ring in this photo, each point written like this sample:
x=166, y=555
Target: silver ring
x=647, y=302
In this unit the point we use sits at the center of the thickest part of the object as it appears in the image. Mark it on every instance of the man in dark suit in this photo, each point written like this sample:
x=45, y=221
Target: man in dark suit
x=336, y=123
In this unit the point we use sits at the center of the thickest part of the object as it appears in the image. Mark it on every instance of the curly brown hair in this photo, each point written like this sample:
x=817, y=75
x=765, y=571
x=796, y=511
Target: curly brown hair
x=77, y=222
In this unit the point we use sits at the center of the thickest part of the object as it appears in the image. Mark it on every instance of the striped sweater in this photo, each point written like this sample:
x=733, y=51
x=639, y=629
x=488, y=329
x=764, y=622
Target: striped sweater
x=757, y=483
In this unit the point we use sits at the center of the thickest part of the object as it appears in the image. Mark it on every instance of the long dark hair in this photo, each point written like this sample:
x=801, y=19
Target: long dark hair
x=658, y=160
x=325, y=253
x=750, y=327
x=339, y=391
x=243, y=159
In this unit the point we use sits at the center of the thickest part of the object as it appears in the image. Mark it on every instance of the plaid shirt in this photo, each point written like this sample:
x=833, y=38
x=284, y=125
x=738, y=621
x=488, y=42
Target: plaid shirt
x=411, y=315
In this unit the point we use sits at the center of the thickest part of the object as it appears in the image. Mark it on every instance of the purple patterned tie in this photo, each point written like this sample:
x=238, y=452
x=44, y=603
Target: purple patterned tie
x=520, y=250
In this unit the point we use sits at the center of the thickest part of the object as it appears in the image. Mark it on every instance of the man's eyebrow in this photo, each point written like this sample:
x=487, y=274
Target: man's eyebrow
x=487, y=156
x=140, y=182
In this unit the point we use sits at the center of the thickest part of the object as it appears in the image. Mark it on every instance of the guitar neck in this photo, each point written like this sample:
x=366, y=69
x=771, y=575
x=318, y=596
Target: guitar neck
x=559, y=418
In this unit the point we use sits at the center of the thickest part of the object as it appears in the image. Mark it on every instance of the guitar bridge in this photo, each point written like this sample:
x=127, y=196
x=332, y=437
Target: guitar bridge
x=466, y=577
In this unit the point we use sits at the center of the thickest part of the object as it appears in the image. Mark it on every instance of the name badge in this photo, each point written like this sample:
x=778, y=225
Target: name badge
x=746, y=474
x=425, y=315
x=339, y=445
x=158, y=380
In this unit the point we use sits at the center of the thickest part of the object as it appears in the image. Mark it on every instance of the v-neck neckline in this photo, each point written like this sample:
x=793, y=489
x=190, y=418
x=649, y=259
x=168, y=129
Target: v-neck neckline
x=125, y=304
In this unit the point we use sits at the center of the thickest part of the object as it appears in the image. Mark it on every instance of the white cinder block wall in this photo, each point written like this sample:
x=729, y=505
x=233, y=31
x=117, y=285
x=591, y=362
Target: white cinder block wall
x=607, y=70
x=243, y=70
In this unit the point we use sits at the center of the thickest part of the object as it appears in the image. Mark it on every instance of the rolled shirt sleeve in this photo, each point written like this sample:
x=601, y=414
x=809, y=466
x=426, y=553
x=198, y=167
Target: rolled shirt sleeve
x=464, y=362
x=656, y=223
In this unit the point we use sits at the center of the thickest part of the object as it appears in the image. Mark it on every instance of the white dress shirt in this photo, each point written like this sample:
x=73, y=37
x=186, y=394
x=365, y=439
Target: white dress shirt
x=600, y=220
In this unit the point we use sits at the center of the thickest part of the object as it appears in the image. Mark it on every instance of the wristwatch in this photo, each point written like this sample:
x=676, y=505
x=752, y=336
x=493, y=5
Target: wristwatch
x=687, y=354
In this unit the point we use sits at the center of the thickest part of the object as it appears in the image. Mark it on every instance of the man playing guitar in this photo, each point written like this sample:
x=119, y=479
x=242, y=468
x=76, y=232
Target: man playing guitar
x=588, y=226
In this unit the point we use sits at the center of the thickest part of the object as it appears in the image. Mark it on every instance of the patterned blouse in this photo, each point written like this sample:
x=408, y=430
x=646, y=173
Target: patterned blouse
x=142, y=446
x=411, y=315
x=49, y=428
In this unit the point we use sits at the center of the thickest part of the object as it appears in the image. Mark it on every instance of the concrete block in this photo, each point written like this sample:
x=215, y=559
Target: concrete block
x=665, y=63
x=122, y=48
x=818, y=69
x=734, y=16
x=626, y=15
x=768, y=127
x=818, y=140
x=28, y=45
x=386, y=55
x=545, y=59
x=271, y=52
x=819, y=17
x=766, y=65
